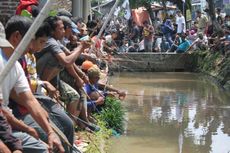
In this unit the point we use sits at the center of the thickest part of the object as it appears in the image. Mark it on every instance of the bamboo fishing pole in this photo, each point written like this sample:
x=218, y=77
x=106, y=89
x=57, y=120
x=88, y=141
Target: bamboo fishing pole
x=106, y=22
x=75, y=118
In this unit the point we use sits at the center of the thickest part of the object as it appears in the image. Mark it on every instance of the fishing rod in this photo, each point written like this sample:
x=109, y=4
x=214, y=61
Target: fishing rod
x=61, y=134
x=91, y=101
x=75, y=119
x=63, y=137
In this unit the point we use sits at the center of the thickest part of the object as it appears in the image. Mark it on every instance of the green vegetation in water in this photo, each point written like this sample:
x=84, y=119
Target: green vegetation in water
x=111, y=122
x=113, y=115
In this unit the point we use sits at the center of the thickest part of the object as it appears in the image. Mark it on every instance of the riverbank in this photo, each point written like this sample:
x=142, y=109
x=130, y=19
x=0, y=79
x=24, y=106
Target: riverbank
x=213, y=64
x=110, y=119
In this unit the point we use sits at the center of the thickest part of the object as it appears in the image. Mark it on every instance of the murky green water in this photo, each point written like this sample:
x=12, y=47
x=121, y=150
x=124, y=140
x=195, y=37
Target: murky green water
x=173, y=113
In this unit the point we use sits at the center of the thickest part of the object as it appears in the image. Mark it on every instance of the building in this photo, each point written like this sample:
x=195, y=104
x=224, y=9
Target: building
x=8, y=8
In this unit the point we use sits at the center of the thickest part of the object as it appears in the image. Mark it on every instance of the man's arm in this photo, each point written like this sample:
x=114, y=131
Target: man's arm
x=108, y=87
x=6, y=136
x=81, y=74
x=27, y=100
x=19, y=125
x=66, y=60
x=71, y=70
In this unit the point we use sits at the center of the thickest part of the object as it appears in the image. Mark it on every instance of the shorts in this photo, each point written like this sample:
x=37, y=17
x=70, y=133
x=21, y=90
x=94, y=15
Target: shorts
x=67, y=93
x=64, y=75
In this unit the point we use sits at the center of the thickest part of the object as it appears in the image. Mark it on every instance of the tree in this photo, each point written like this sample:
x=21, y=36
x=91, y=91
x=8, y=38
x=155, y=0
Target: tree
x=212, y=14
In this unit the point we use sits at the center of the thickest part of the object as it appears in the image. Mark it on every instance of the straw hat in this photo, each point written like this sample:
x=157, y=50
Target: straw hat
x=94, y=71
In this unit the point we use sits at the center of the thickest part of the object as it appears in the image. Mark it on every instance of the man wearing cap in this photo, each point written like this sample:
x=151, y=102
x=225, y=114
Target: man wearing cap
x=92, y=88
x=70, y=29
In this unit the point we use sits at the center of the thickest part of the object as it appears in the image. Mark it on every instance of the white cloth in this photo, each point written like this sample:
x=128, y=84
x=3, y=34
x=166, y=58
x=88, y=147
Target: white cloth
x=203, y=41
x=180, y=21
x=15, y=79
x=108, y=39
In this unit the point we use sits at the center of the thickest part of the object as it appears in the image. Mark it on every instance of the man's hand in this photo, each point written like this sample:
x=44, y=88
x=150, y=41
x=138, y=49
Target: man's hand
x=52, y=91
x=85, y=44
x=122, y=94
x=85, y=79
x=31, y=131
x=79, y=83
x=100, y=100
x=54, y=141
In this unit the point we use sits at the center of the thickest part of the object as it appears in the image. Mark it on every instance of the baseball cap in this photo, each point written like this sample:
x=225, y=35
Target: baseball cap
x=3, y=41
x=86, y=65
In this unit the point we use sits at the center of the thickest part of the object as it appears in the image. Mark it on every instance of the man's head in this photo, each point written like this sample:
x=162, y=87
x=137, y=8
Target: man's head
x=198, y=13
x=94, y=74
x=179, y=13
x=114, y=34
x=57, y=27
x=41, y=37
x=183, y=36
x=3, y=42
x=201, y=35
x=78, y=22
x=218, y=10
x=16, y=28
x=145, y=23
x=69, y=26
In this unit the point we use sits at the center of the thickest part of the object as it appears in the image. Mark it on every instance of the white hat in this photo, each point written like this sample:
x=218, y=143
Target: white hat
x=3, y=41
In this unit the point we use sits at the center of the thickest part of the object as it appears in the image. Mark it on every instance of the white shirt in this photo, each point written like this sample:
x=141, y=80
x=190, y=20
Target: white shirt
x=180, y=21
x=15, y=79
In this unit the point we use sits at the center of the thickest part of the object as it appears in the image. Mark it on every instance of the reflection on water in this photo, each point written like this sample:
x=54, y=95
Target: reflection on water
x=173, y=113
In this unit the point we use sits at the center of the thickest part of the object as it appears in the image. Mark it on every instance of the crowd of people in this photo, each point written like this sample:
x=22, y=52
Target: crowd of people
x=56, y=85
x=173, y=34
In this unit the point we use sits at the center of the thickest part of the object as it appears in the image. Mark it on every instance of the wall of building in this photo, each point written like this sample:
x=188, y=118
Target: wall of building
x=8, y=7
x=152, y=62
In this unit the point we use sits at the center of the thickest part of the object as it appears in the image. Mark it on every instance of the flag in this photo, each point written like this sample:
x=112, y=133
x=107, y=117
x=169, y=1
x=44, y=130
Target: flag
x=126, y=6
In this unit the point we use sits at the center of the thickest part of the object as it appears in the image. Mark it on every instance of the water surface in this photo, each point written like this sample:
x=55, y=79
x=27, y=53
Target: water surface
x=173, y=113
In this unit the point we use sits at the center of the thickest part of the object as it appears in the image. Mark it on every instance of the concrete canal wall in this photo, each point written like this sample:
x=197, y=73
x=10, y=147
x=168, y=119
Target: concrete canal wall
x=152, y=62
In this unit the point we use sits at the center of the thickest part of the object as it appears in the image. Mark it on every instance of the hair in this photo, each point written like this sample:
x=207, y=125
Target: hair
x=17, y=23
x=66, y=21
x=178, y=11
x=52, y=21
x=218, y=10
x=44, y=30
x=34, y=11
x=76, y=20
x=145, y=22
x=198, y=11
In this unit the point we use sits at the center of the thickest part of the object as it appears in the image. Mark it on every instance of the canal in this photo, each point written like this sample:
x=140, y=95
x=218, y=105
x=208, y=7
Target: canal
x=173, y=113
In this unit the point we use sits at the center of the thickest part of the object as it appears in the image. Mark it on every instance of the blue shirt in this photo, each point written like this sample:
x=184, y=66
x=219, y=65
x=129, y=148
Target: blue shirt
x=184, y=46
